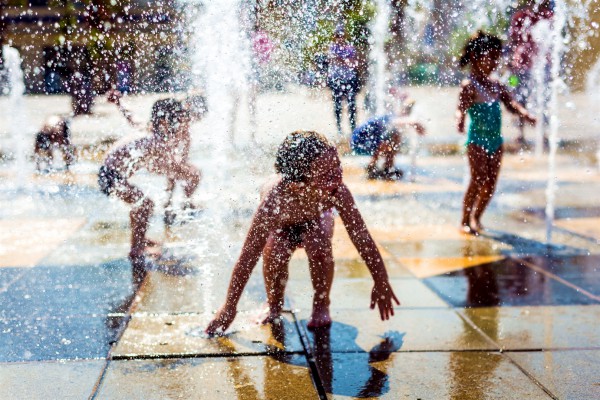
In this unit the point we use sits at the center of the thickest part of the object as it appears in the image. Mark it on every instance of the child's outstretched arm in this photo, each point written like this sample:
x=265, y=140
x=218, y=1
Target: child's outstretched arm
x=410, y=122
x=466, y=98
x=382, y=294
x=114, y=96
x=514, y=106
x=253, y=245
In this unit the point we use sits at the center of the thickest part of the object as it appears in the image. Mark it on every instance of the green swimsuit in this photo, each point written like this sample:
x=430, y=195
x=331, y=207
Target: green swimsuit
x=485, y=129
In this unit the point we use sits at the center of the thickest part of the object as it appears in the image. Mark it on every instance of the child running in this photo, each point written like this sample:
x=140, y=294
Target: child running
x=297, y=211
x=156, y=153
x=480, y=97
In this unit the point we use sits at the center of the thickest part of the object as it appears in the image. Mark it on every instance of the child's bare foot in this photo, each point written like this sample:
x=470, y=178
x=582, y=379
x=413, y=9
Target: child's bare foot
x=478, y=227
x=469, y=230
x=319, y=319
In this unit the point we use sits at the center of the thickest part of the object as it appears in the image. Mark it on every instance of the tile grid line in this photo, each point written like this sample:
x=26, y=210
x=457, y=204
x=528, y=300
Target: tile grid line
x=502, y=352
x=577, y=235
x=4, y=288
x=559, y=279
x=123, y=326
x=310, y=359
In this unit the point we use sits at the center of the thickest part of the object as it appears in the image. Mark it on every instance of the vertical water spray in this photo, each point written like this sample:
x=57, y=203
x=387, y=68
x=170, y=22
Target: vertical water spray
x=220, y=63
x=220, y=58
x=541, y=33
x=17, y=113
x=592, y=88
x=558, y=25
x=377, y=56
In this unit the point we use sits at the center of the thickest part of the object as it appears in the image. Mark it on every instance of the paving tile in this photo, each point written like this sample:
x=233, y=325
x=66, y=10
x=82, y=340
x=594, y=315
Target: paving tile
x=57, y=338
x=342, y=245
x=544, y=327
x=285, y=376
x=25, y=241
x=422, y=233
x=149, y=335
x=347, y=294
x=195, y=293
x=68, y=291
x=69, y=380
x=8, y=276
x=410, y=329
x=503, y=283
x=443, y=250
x=348, y=268
x=589, y=227
x=582, y=271
x=446, y=375
x=569, y=374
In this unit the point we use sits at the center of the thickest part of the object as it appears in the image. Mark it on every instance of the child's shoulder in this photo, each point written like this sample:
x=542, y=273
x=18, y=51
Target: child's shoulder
x=270, y=186
x=467, y=87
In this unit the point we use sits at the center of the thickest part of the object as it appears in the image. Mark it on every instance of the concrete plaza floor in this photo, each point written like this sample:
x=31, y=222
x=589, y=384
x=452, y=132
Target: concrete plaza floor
x=503, y=315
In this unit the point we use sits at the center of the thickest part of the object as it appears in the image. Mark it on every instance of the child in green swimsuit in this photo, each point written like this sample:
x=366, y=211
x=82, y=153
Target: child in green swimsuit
x=480, y=97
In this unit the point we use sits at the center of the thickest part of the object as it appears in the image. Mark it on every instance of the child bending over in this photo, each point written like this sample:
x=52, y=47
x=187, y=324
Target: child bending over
x=297, y=211
x=156, y=153
x=380, y=137
x=480, y=97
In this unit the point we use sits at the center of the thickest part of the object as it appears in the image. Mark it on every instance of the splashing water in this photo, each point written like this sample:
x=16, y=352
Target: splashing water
x=220, y=59
x=16, y=113
x=221, y=63
x=592, y=89
x=377, y=56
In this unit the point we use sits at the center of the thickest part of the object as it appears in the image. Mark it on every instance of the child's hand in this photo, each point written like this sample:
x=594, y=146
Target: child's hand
x=221, y=322
x=460, y=125
x=530, y=118
x=114, y=96
x=420, y=129
x=382, y=296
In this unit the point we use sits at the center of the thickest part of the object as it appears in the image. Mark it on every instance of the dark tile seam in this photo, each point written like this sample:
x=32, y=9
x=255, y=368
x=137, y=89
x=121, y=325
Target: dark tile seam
x=490, y=340
x=559, y=279
x=123, y=326
x=577, y=235
x=310, y=359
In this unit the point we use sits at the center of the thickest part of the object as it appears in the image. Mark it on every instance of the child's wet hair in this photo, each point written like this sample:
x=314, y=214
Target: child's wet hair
x=297, y=153
x=479, y=44
x=170, y=110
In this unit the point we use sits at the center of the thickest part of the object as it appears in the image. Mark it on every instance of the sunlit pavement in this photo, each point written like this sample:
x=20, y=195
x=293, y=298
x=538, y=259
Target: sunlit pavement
x=504, y=315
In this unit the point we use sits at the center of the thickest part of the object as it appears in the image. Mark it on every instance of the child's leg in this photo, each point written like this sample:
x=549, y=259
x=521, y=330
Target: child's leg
x=139, y=215
x=317, y=243
x=494, y=161
x=390, y=148
x=352, y=88
x=68, y=151
x=337, y=105
x=276, y=257
x=478, y=167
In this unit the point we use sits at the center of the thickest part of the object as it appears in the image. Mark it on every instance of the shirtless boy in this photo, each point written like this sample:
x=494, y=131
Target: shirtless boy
x=297, y=211
x=156, y=153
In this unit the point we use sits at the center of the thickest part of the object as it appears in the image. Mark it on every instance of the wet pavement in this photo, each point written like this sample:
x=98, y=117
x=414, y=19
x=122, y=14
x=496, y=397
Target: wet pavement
x=501, y=316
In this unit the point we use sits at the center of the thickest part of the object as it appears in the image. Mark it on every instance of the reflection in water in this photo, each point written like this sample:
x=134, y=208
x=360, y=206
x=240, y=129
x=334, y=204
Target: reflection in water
x=248, y=382
x=482, y=286
x=344, y=375
x=471, y=380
